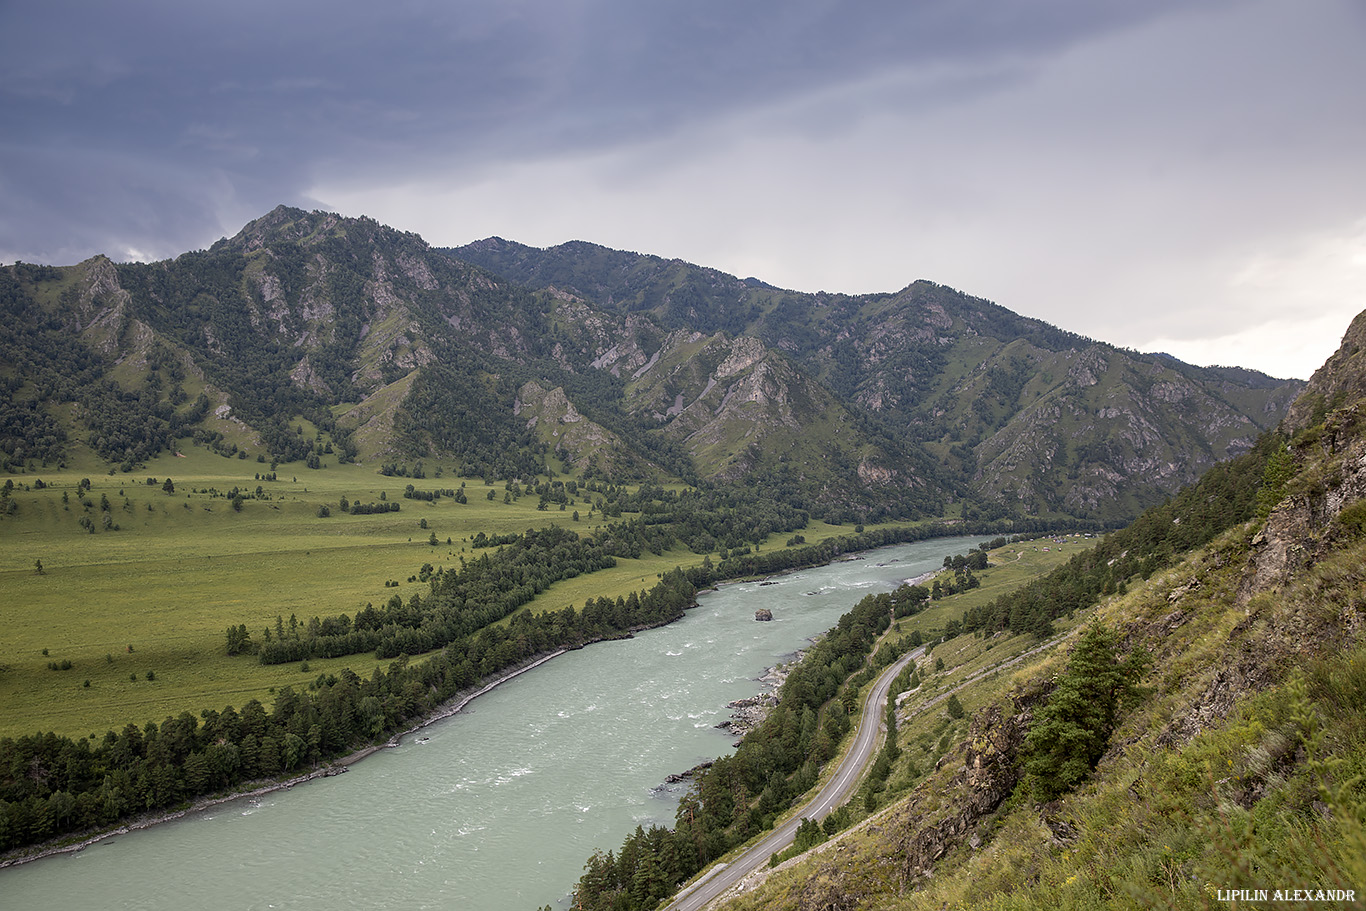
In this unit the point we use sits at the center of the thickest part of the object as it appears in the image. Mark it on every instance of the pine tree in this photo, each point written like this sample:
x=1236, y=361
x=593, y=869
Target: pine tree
x=1070, y=733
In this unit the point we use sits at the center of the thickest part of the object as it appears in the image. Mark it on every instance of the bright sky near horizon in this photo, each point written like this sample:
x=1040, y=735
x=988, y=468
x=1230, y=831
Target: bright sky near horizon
x=1168, y=176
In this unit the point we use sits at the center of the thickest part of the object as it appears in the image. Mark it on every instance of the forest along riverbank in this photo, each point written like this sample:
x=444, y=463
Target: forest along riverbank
x=750, y=712
x=501, y=805
x=260, y=789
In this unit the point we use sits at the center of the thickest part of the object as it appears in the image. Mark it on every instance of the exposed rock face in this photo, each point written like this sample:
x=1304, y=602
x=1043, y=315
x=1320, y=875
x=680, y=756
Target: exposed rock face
x=937, y=818
x=305, y=377
x=1304, y=523
x=1300, y=526
x=990, y=771
x=1340, y=381
x=555, y=419
x=748, y=713
x=1145, y=419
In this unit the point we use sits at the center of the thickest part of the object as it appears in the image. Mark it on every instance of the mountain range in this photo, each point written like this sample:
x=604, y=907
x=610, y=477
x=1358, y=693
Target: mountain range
x=309, y=336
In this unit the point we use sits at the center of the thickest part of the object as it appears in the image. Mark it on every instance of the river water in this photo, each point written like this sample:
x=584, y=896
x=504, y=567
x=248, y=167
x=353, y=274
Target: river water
x=497, y=807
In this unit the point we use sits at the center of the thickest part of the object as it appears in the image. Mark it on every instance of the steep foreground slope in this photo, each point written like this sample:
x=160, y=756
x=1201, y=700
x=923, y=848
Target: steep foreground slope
x=1241, y=767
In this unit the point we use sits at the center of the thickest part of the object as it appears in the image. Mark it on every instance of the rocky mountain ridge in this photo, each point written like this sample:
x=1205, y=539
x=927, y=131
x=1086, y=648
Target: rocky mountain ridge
x=1030, y=417
x=390, y=351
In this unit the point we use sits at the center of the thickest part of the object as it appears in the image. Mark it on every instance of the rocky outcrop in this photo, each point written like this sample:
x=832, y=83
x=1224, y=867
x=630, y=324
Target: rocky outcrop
x=1307, y=522
x=1338, y=383
x=553, y=417
x=989, y=772
x=747, y=714
x=951, y=809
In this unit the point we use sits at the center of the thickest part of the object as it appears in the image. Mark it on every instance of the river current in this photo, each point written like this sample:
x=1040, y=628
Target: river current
x=497, y=807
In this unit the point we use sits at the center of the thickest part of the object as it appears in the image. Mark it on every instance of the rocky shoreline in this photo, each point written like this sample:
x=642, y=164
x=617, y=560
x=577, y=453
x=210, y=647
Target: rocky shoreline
x=750, y=712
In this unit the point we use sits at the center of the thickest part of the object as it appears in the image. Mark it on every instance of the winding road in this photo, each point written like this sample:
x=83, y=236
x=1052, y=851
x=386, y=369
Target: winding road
x=836, y=791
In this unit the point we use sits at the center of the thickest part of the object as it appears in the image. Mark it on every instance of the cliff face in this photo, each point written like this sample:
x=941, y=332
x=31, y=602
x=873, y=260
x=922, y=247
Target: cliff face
x=989, y=772
x=1340, y=382
x=1317, y=513
x=1327, y=430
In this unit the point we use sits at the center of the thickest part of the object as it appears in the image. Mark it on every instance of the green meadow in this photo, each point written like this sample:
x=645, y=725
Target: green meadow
x=126, y=623
x=157, y=594
x=1009, y=568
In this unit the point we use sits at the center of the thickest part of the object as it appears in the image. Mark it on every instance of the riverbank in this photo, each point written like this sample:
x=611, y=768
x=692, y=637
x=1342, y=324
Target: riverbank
x=75, y=842
x=569, y=755
x=260, y=789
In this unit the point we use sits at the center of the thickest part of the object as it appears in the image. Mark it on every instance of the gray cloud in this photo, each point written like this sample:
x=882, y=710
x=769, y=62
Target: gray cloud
x=1051, y=155
x=164, y=116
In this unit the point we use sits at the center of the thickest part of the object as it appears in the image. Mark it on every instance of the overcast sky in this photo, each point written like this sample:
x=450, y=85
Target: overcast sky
x=1187, y=177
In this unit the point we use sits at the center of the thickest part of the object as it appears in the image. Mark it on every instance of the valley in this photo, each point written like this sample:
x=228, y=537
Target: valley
x=333, y=476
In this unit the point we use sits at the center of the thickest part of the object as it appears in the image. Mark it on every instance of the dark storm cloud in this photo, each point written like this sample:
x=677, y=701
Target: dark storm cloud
x=142, y=129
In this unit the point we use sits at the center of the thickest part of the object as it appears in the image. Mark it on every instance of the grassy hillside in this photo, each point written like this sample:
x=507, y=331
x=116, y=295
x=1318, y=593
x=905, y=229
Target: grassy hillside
x=1209, y=785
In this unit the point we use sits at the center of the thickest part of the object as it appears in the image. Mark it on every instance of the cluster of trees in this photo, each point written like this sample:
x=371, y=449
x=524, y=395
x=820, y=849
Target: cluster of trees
x=740, y=795
x=459, y=603
x=428, y=496
x=369, y=509
x=737, y=565
x=51, y=784
x=462, y=409
x=1227, y=495
x=482, y=540
x=27, y=432
x=962, y=580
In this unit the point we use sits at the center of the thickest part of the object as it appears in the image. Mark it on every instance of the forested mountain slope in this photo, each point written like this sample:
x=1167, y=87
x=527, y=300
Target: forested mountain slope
x=1030, y=417
x=312, y=337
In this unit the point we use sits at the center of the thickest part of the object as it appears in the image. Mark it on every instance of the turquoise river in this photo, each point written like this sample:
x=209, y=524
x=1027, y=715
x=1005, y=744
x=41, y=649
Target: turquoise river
x=497, y=807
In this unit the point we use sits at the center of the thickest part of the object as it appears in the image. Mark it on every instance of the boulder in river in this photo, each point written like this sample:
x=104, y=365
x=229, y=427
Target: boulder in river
x=763, y=613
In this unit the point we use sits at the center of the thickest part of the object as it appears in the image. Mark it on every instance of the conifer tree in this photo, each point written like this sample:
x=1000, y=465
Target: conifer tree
x=1070, y=733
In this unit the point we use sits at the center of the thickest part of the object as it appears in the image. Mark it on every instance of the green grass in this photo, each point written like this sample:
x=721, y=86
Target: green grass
x=174, y=577
x=183, y=567
x=1010, y=567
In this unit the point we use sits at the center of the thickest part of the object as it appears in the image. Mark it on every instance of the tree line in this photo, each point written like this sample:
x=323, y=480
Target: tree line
x=51, y=785
x=458, y=603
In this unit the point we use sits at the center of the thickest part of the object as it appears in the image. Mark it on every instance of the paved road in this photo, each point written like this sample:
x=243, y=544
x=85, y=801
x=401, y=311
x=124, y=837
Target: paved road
x=834, y=794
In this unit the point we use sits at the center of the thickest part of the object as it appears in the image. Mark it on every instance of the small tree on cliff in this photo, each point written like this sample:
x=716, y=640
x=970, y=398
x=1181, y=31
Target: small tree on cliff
x=1070, y=733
